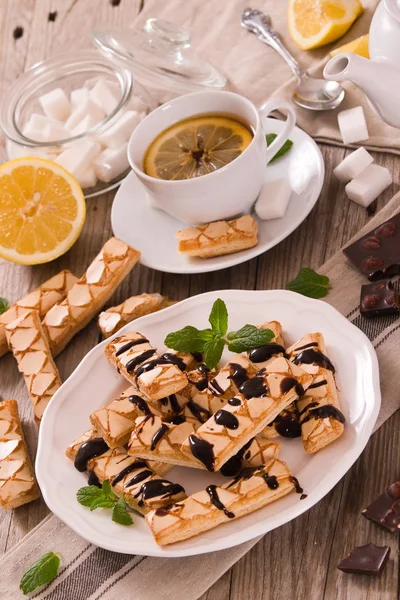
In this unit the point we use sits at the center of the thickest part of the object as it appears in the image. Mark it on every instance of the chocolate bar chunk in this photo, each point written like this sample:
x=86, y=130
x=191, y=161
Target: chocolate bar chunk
x=385, y=510
x=379, y=298
x=377, y=254
x=366, y=560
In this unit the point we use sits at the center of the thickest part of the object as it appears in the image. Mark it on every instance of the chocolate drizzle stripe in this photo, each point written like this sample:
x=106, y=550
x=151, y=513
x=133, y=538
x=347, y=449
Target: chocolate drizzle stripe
x=130, y=344
x=138, y=464
x=203, y=451
x=212, y=492
x=88, y=450
x=137, y=360
x=158, y=435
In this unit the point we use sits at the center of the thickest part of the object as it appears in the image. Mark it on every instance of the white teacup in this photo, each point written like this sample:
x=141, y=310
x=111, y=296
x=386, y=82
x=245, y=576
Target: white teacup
x=227, y=192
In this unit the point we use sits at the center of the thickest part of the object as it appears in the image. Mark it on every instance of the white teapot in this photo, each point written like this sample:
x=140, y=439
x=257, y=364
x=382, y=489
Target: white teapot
x=379, y=77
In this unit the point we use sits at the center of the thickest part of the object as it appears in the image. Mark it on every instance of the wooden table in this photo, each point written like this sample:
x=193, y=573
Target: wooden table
x=299, y=559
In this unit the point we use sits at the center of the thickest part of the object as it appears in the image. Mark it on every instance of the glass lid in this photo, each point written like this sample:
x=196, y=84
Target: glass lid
x=160, y=54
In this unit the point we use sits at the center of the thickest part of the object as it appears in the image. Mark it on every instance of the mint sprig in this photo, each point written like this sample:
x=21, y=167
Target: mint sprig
x=282, y=151
x=309, y=283
x=120, y=514
x=42, y=572
x=211, y=342
x=93, y=497
x=4, y=305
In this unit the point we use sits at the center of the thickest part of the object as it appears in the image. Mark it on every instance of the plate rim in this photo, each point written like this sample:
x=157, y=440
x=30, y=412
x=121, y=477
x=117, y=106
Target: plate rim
x=321, y=489
x=237, y=258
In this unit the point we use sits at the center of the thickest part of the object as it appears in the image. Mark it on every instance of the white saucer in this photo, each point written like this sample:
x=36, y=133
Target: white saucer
x=153, y=231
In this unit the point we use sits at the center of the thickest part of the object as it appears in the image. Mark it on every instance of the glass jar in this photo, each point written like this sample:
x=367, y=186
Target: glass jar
x=70, y=72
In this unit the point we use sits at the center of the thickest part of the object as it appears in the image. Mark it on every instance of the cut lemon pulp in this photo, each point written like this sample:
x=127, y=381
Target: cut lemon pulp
x=314, y=23
x=42, y=210
x=359, y=46
x=195, y=147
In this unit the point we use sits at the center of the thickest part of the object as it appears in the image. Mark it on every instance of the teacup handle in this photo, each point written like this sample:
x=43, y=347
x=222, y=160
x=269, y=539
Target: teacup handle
x=265, y=110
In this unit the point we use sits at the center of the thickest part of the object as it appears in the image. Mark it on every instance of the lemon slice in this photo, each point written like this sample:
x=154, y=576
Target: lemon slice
x=196, y=146
x=314, y=23
x=358, y=46
x=42, y=210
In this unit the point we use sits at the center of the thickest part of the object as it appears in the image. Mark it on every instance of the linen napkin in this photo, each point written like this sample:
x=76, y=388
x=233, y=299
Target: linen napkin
x=257, y=71
x=90, y=573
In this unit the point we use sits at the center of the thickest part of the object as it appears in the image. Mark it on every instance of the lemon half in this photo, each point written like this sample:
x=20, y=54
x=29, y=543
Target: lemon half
x=42, y=210
x=314, y=23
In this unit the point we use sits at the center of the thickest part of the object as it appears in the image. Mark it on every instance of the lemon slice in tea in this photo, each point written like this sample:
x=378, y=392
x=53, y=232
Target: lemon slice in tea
x=195, y=147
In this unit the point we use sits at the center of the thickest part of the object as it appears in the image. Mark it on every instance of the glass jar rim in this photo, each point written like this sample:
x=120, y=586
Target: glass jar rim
x=41, y=74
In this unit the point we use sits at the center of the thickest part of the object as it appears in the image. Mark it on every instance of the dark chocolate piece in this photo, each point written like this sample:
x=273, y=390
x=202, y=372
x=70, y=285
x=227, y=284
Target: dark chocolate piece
x=366, y=560
x=379, y=298
x=377, y=254
x=385, y=510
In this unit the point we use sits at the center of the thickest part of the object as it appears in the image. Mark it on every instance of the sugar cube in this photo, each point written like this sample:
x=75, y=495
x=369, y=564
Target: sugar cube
x=104, y=95
x=367, y=186
x=352, y=125
x=55, y=131
x=79, y=96
x=79, y=157
x=88, y=107
x=353, y=165
x=119, y=133
x=111, y=163
x=55, y=104
x=273, y=200
x=86, y=178
x=83, y=125
x=35, y=127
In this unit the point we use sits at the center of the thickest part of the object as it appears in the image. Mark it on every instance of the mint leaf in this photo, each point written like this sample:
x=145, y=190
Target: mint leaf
x=188, y=339
x=103, y=502
x=120, y=514
x=309, y=283
x=4, y=305
x=43, y=571
x=282, y=151
x=213, y=352
x=89, y=495
x=106, y=489
x=249, y=337
x=219, y=316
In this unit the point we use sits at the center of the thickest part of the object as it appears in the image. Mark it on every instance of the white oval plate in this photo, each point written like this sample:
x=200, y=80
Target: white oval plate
x=153, y=231
x=95, y=383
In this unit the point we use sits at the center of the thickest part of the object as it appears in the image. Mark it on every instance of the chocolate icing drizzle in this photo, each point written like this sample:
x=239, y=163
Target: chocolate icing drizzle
x=158, y=487
x=140, y=403
x=212, y=492
x=271, y=481
x=317, y=384
x=138, y=464
x=238, y=374
x=289, y=383
x=245, y=473
x=266, y=352
x=158, y=435
x=311, y=356
x=287, y=424
x=139, y=477
x=233, y=466
x=297, y=487
x=309, y=345
x=174, y=360
x=202, y=384
x=93, y=479
x=215, y=388
x=234, y=401
x=203, y=451
x=226, y=419
x=87, y=451
x=324, y=412
x=201, y=414
x=137, y=360
x=130, y=345
x=254, y=387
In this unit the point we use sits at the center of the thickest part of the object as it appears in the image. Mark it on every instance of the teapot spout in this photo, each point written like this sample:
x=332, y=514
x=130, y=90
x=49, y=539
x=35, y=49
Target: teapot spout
x=379, y=81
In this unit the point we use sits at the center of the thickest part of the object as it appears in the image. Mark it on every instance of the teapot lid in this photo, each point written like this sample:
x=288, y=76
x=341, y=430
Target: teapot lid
x=160, y=54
